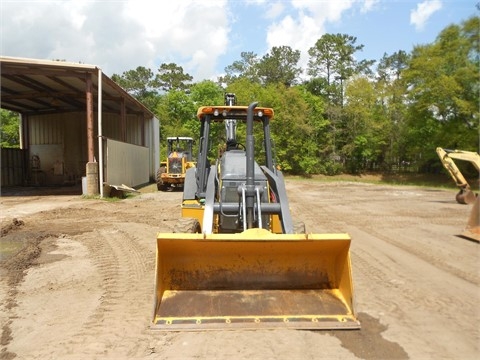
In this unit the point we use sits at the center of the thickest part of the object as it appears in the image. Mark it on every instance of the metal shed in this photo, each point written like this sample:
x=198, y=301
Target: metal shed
x=77, y=124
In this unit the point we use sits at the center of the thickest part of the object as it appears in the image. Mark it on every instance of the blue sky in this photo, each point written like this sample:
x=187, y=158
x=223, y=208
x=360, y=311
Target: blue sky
x=205, y=36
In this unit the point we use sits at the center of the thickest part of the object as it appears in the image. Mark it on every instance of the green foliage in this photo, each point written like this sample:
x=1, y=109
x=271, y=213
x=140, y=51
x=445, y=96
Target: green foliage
x=364, y=131
x=332, y=58
x=206, y=93
x=10, y=137
x=444, y=85
x=345, y=117
x=140, y=83
x=171, y=77
x=175, y=109
x=293, y=130
x=147, y=87
x=280, y=66
x=247, y=92
x=245, y=68
x=391, y=90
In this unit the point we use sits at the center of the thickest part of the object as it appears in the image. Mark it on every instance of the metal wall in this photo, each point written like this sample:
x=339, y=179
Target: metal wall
x=60, y=143
x=13, y=167
x=126, y=164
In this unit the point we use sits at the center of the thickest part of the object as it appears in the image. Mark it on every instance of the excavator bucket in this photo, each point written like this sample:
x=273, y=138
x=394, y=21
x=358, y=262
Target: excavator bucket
x=472, y=230
x=255, y=279
x=466, y=197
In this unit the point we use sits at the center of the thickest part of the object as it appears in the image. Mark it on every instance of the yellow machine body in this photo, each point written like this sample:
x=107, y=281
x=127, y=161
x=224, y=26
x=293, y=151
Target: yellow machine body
x=236, y=258
x=192, y=209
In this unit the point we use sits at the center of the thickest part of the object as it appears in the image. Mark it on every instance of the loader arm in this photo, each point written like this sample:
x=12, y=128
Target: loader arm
x=278, y=187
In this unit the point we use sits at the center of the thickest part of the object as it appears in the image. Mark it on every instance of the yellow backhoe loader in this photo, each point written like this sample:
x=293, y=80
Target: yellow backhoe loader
x=465, y=195
x=236, y=259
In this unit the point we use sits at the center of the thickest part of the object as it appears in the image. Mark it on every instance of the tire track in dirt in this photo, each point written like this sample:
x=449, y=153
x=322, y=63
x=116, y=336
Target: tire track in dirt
x=126, y=270
x=409, y=306
x=418, y=296
x=385, y=244
x=334, y=216
x=122, y=248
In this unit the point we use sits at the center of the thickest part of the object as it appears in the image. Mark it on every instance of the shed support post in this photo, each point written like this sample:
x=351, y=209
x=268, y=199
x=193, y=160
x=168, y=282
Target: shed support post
x=89, y=100
x=92, y=165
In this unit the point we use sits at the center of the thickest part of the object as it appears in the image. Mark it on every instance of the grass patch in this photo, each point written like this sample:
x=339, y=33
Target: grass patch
x=423, y=180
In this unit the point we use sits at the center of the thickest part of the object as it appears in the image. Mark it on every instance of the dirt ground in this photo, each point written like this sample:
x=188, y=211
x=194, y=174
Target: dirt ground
x=82, y=287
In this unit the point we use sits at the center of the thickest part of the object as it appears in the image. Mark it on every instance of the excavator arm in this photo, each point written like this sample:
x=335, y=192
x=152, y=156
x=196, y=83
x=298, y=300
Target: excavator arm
x=447, y=157
x=466, y=195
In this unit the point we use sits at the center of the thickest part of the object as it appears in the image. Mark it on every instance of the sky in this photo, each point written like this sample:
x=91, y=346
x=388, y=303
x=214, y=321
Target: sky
x=205, y=36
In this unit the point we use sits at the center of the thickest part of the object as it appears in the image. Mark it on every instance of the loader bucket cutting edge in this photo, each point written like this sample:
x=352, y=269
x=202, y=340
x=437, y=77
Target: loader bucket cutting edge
x=251, y=280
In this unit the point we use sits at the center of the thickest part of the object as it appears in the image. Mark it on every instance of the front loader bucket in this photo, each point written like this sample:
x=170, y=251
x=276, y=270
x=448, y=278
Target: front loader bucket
x=255, y=279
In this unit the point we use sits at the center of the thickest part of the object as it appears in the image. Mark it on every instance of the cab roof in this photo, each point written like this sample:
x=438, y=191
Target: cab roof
x=225, y=112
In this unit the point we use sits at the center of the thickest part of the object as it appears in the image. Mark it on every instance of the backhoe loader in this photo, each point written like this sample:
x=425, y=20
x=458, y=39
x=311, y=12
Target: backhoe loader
x=465, y=195
x=236, y=259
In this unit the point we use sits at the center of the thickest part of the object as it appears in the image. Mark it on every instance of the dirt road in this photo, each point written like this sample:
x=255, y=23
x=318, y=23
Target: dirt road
x=83, y=287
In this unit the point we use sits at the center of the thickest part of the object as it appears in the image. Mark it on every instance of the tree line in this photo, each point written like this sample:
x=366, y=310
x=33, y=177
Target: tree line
x=339, y=114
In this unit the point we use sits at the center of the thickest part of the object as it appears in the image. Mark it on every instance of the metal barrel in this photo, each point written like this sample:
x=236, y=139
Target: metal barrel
x=255, y=279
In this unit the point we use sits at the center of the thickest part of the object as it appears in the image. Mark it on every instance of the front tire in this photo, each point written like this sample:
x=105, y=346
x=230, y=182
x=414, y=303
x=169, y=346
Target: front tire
x=187, y=226
x=160, y=185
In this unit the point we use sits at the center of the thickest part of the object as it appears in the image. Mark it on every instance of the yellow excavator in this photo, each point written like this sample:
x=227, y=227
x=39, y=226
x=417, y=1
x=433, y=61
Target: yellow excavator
x=236, y=259
x=448, y=157
x=465, y=195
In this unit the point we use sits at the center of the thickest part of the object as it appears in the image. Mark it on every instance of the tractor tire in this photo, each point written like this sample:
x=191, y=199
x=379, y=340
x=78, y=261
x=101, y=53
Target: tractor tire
x=187, y=226
x=160, y=185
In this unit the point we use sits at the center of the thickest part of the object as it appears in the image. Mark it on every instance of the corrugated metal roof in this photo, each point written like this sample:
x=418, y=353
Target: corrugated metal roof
x=33, y=86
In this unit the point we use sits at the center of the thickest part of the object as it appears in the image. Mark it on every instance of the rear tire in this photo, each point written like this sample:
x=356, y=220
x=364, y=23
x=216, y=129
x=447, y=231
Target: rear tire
x=187, y=226
x=160, y=185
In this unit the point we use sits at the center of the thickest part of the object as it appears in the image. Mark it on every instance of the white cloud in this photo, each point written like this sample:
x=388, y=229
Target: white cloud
x=300, y=34
x=202, y=36
x=422, y=13
x=369, y=5
x=323, y=11
x=303, y=26
x=275, y=9
x=118, y=35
